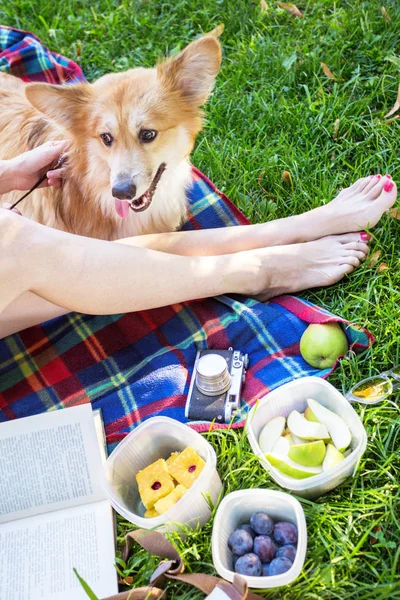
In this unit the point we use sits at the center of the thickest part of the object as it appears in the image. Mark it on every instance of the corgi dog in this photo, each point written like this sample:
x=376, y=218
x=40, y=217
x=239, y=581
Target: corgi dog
x=129, y=139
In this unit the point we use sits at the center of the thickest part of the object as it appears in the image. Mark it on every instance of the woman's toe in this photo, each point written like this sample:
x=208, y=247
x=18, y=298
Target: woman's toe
x=351, y=259
x=373, y=186
x=362, y=183
x=388, y=194
x=358, y=247
x=350, y=238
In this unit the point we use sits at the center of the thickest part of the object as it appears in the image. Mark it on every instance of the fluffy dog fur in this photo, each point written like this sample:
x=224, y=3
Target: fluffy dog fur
x=166, y=99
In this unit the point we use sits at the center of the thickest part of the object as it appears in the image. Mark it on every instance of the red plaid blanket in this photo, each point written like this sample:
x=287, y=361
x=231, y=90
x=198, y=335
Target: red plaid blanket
x=138, y=365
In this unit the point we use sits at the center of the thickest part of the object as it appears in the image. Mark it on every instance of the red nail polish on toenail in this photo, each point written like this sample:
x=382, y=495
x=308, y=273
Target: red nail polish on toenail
x=378, y=176
x=388, y=176
x=388, y=186
x=366, y=237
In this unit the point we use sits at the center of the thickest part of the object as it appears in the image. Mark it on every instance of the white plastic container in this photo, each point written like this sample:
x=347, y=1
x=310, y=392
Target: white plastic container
x=153, y=439
x=293, y=396
x=235, y=509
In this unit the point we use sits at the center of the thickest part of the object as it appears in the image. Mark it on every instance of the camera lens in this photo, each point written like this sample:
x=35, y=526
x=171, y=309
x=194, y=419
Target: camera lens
x=212, y=376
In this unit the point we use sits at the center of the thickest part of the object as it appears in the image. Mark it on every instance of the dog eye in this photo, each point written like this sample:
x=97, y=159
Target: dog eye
x=147, y=135
x=107, y=139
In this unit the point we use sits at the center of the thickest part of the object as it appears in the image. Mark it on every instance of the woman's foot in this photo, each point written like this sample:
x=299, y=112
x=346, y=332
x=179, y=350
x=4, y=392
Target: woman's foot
x=290, y=269
x=357, y=207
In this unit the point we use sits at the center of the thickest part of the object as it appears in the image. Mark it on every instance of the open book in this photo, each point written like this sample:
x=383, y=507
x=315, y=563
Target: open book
x=54, y=515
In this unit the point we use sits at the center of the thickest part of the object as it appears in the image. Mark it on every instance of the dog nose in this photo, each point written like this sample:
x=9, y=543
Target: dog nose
x=124, y=190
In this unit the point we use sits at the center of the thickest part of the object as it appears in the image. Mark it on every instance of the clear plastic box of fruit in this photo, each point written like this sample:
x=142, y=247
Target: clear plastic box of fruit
x=305, y=444
x=263, y=548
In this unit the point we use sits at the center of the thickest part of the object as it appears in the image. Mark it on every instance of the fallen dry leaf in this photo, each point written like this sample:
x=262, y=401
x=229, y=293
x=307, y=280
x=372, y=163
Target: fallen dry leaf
x=395, y=213
x=396, y=118
x=385, y=15
x=327, y=71
x=373, y=538
x=396, y=105
x=126, y=581
x=373, y=259
x=336, y=129
x=286, y=177
x=292, y=9
x=79, y=49
x=217, y=31
x=382, y=267
x=264, y=6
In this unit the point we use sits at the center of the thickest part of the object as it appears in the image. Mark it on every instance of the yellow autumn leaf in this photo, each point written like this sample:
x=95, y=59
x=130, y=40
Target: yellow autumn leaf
x=382, y=267
x=327, y=71
x=385, y=15
x=264, y=6
x=336, y=128
x=292, y=9
x=373, y=259
x=396, y=105
x=395, y=213
x=286, y=177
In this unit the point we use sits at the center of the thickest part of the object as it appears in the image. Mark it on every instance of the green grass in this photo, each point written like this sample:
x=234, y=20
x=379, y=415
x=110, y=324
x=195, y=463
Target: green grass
x=273, y=110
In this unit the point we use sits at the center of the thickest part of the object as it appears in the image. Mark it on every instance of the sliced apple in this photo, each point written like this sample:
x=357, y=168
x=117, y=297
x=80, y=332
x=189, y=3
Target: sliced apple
x=337, y=428
x=281, y=446
x=297, y=441
x=289, y=438
x=307, y=430
x=288, y=467
x=311, y=454
x=332, y=458
x=309, y=415
x=271, y=432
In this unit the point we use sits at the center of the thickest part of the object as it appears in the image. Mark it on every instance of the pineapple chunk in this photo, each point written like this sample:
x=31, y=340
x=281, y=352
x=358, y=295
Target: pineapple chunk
x=168, y=501
x=150, y=514
x=154, y=482
x=187, y=467
x=171, y=459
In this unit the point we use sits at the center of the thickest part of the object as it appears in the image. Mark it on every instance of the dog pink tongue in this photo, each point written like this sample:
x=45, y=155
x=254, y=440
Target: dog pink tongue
x=121, y=208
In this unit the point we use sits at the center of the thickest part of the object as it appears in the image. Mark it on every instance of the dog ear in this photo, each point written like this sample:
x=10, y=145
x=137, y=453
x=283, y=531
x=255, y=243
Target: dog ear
x=65, y=104
x=192, y=72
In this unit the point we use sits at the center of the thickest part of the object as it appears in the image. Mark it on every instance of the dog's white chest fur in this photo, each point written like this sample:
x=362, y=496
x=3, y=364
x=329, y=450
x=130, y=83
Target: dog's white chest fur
x=167, y=210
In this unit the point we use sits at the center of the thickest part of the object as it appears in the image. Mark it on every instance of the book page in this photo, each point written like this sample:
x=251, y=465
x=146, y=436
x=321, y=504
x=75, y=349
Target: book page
x=38, y=555
x=49, y=462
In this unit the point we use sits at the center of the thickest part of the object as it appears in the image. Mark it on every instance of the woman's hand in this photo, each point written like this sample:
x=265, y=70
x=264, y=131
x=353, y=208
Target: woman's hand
x=23, y=171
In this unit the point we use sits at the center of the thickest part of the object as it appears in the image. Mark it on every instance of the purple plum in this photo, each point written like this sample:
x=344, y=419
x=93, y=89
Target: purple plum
x=261, y=523
x=265, y=571
x=265, y=548
x=285, y=533
x=288, y=551
x=246, y=527
x=279, y=566
x=248, y=564
x=240, y=542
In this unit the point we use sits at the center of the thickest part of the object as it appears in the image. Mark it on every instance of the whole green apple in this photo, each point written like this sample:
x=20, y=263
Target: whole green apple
x=321, y=345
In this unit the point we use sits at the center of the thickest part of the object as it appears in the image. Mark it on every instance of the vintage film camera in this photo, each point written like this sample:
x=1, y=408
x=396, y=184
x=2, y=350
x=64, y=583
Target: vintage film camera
x=216, y=385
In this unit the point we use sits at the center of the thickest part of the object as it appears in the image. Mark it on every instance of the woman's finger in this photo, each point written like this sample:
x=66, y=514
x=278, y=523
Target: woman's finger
x=57, y=183
x=56, y=173
x=42, y=156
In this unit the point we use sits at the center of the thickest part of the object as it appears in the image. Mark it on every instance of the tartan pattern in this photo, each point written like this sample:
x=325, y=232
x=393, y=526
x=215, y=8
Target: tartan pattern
x=23, y=55
x=138, y=365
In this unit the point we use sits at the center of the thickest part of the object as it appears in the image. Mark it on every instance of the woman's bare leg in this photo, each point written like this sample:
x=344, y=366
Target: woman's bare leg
x=26, y=311
x=356, y=208
x=98, y=277
x=367, y=196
